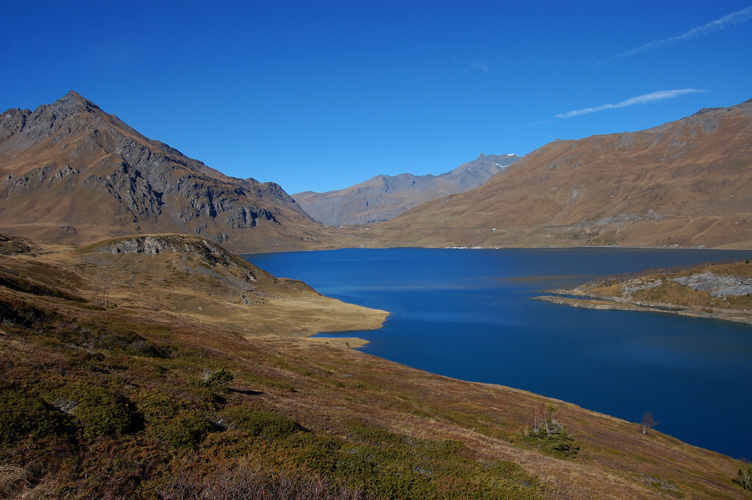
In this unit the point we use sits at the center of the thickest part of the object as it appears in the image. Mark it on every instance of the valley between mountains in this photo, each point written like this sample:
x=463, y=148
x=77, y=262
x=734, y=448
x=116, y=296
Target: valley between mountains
x=141, y=357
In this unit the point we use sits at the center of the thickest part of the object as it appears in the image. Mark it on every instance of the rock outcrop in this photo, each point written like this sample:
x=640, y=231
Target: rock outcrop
x=718, y=291
x=717, y=285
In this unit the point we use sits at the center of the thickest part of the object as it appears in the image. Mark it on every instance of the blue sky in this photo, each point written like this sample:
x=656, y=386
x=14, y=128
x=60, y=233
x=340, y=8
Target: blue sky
x=322, y=94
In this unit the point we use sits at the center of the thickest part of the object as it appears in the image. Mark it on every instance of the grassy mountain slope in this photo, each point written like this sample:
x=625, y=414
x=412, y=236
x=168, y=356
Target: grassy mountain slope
x=109, y=392
x=685, y=183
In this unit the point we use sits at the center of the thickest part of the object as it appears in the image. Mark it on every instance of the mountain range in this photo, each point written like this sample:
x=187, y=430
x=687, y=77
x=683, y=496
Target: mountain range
x=384, y=197
x=69, y=172
x=686, y=183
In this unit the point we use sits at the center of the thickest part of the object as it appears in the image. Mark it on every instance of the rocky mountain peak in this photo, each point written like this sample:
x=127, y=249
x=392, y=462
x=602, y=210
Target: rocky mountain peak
x=74, y=173
x=74, y=99
x=70, y=114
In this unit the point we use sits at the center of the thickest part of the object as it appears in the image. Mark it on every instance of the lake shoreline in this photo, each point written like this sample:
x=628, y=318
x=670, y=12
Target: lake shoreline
x=467, y=315
x=618, y=304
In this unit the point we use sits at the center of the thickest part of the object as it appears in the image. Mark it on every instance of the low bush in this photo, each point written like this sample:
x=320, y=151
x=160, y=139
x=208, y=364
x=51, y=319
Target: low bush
x=168, y=421
x=263, y=424
x=549, y=435
x=744, y=478
x=103, y=413
x=253, y=484
x=187, y=429
x=387, y=464
x=218, y=379
x=22, y=415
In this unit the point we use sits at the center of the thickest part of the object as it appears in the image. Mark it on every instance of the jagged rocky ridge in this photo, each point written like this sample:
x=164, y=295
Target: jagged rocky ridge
x=71, y=172
x=384, y=197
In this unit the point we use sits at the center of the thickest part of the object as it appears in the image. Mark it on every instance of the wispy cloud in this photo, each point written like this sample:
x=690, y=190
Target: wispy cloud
x=481, y=66
x=660, y=95
x=732, y=19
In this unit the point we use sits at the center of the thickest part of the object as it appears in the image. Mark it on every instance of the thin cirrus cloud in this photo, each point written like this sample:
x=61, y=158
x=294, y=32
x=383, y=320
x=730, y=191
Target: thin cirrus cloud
x=480, y=66
x=660, y=95
x=732, y=19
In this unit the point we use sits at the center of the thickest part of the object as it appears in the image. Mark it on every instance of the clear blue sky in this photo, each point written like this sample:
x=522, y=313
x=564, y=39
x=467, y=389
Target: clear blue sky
x=320, y=95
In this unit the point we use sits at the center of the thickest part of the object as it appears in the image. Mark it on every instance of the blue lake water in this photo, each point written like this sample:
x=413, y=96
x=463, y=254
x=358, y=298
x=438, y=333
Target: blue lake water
x=469, y=314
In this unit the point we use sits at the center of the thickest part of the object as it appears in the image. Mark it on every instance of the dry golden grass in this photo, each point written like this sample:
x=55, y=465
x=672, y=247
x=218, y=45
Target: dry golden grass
x=189, y=286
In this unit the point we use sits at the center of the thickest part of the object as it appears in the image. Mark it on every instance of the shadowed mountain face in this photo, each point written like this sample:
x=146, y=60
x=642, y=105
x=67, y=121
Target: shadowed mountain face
x=686, y=183
x=384, y=197
x=70, y=172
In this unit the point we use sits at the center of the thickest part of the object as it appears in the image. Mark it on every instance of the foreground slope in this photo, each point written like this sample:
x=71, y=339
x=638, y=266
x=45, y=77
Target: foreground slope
x=71, y=173
x=384, y=197
x=686, y=183
x=103, y=396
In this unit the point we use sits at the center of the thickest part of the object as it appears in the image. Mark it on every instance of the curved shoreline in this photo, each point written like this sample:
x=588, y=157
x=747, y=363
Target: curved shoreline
x=619, y=304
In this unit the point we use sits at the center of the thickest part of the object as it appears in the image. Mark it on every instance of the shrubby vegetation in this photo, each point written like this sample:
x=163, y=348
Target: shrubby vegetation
x=101, y=412
x=113, y=402
x=169, y=422
x=260, y=423
x=23, y=415
x=550, y=435
x=744, y=478
x=253, y=484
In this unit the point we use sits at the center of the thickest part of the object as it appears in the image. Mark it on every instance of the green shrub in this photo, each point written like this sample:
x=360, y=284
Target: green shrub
x=22, y=415
x=102, y=413
x=217, y=379
x=168, y=421
x=264, y=424
x=185, y=430
x=549, y=435
x=128, y=342
x=155, y=406
x=744, y=479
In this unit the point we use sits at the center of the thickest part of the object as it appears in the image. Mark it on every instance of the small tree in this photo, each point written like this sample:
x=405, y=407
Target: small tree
x=744, y=479
x=648, y=422
x=549, y=434
x=218, y=379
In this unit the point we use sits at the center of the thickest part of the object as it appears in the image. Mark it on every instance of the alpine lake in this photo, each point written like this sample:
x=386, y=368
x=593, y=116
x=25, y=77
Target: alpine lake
x=471, y=314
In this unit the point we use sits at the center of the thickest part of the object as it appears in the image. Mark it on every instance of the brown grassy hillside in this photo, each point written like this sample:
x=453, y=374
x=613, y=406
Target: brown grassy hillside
x=685, y=183
x=109, y=392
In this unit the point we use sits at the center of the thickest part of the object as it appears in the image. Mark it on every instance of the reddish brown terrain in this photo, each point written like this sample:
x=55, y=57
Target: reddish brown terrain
x=165, y=367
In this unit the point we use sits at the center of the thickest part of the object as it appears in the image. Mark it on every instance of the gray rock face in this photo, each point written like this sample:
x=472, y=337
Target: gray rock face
x=384, y=197
x=152, y=245
x=717, y=285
